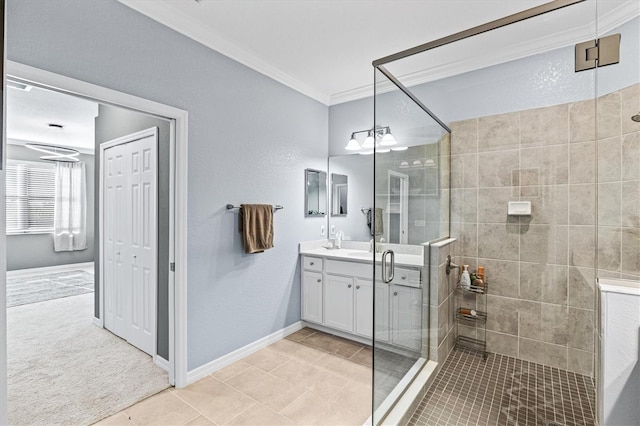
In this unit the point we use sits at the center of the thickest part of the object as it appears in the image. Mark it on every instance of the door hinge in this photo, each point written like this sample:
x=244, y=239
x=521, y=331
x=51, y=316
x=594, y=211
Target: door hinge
x=598, y=53
x=172, y=266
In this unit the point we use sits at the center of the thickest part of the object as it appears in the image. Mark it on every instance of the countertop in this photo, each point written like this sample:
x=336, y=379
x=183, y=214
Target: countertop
x=363, y=256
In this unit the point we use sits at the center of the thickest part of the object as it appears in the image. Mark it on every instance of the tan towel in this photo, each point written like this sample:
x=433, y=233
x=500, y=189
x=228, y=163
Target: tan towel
x=377, y=222
x=256, y=226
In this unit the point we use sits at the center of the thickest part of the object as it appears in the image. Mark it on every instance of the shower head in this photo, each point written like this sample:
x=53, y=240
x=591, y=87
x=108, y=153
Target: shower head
x=636, y=117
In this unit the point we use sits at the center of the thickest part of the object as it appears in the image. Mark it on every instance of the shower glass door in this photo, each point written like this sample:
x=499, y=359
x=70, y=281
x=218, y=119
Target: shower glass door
x=411, y=188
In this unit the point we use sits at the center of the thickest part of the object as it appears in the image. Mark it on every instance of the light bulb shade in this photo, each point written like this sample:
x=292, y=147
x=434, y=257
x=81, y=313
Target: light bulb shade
x=369, y=142
x=382, y=150
x=353, y=144
x=388, y=139
x=399, y=148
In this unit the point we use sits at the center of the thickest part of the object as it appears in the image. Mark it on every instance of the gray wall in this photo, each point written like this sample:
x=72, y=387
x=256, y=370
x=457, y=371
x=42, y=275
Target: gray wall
x=250, y=139
x=36, y=250
x=112, y=123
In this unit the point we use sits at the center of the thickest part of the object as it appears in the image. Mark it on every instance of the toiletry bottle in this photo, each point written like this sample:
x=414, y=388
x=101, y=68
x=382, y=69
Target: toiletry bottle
x=338, y=241
x=465, y=279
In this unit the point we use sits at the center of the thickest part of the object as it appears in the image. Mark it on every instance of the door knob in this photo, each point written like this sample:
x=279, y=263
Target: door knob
x=349, y=285
x=134, y=256
x=395, y=293
x=358, y=287
x=319, y=280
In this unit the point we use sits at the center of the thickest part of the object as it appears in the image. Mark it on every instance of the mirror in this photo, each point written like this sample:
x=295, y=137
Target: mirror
x=315, y=196
x=339, y=189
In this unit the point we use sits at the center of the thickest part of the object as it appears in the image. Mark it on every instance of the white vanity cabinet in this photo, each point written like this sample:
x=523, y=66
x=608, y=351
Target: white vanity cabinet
x=338, y=303
x=312, y=289
x=339, y=294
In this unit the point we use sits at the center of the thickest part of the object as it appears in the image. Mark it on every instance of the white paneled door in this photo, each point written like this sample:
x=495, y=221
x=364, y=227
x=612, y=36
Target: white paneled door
x=130, y=238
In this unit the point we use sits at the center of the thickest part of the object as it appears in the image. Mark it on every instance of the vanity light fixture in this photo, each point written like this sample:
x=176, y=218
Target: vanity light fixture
x=399, y=148
x=404, y=165
x=380, y=136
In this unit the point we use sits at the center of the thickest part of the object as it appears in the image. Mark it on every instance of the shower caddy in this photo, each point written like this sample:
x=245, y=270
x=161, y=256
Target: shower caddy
x=464, y=316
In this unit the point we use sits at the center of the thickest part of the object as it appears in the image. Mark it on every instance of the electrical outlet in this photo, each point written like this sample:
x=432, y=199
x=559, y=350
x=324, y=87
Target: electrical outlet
x=333, y=229
x=323, y=230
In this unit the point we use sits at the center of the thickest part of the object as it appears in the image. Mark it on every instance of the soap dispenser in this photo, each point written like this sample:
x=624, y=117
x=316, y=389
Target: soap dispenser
x=465, y=279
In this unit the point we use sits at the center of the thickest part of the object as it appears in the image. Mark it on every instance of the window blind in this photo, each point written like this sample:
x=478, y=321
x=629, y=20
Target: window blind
x=30, y=194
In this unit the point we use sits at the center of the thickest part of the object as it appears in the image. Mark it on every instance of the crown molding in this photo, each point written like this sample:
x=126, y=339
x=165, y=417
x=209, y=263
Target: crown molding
x=167, y=15
x=606, y=23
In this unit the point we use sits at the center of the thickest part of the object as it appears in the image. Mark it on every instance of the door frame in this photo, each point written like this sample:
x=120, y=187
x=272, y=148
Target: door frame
x=177, y=363
x=132, y=137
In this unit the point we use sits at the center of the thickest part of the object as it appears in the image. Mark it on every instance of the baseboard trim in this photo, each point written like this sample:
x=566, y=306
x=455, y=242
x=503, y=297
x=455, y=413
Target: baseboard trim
x=161, y=362
x=49, y=269
x=228, y=359
x=97, y=322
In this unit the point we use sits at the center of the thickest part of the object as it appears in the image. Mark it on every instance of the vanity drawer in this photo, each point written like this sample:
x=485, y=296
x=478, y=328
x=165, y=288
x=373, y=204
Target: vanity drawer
x=312, y=263
x=402, y=276
x=353, y=269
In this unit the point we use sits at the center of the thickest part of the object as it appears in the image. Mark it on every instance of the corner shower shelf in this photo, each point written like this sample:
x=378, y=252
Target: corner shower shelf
x=477, y=322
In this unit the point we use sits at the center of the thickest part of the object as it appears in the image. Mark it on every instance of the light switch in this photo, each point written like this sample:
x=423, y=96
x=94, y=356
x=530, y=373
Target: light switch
x=323, y=230
x=333, y=229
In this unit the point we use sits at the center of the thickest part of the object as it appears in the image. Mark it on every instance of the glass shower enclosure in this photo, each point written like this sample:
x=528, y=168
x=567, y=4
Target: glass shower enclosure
x=411, y=200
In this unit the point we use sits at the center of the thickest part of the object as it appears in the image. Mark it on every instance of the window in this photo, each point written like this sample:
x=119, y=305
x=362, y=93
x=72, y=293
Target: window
x=30, y=192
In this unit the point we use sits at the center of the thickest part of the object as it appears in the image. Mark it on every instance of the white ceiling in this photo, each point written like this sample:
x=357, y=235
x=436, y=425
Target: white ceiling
x=324, y=48
x=30, y=112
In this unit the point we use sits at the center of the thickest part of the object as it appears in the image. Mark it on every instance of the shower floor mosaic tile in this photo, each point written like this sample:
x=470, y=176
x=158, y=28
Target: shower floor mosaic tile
x=505, y=391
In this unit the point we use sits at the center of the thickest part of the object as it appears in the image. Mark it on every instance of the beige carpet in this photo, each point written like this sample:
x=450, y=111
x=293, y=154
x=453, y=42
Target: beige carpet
x=65, y=370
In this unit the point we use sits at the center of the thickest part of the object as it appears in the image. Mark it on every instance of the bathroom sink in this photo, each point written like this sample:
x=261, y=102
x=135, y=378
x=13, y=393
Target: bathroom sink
x=361, y=254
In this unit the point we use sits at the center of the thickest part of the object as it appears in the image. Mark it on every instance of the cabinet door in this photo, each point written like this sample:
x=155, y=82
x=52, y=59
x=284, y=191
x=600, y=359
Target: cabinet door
x=338, y=303
x=406, y=316
x=382, y=312
x=312, y=296
x=364, y=307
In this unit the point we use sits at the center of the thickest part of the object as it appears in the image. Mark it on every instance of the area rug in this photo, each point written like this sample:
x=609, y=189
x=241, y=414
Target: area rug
x=63, y=370
x=38, y=288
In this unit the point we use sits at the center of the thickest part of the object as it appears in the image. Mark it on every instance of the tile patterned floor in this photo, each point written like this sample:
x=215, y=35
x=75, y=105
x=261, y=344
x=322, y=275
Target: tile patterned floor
x=307, y=378
x=505, y=391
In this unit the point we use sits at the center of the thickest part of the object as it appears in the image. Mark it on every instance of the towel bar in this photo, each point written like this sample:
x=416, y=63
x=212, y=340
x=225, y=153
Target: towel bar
x=276, y=207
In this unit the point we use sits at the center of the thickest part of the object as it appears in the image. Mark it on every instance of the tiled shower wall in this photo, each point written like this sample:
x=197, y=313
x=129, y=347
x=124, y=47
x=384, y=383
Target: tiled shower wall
x=541, y=269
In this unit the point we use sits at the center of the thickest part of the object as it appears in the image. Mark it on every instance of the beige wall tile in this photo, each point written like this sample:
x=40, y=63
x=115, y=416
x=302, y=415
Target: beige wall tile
x=581, y=287
x=544, y=126
x=549, y=204
x=630, y=262
x=551, y=163
x=580, y=362
x=464, y=171
x=609, y=118
x=582, y=162
x=581, y=329
x=464, y=205
x=554, y=324
x=582, y=121
x=497, y=168
x=530, y=320
x=535, y=243
x=493, y=203
x=543, y=353
x=504, y=344
x=464, y=136
x=631, y=204
x=609, y=204
x=582, y=204
x=554, y=284
x=631, y=156
x=609, y=246
x=532, y=276
x=504, y=314
x=630, y=103
x=582, y=246
x=498, y=241
x=502, y=276
x=499, y=132
x=466, y=235
x=610, y=159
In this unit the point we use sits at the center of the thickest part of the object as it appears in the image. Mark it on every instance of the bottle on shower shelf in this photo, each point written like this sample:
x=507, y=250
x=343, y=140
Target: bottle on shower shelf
x=465, y=279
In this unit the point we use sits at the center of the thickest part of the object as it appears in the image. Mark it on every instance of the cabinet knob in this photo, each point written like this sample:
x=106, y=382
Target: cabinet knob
x=349, y=286
x=395, y=293
x=311, y=263
x=358, y=287
x=404, y=277
x=319, y=280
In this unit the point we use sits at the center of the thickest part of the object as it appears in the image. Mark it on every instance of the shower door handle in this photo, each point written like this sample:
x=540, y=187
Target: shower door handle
x=387, y=278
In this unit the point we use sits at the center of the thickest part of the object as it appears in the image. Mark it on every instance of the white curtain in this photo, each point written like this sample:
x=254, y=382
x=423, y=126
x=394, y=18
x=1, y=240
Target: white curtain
x=70, y=217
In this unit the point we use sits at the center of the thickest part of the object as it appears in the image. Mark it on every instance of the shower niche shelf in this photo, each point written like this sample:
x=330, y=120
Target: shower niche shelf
x=471, y=318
